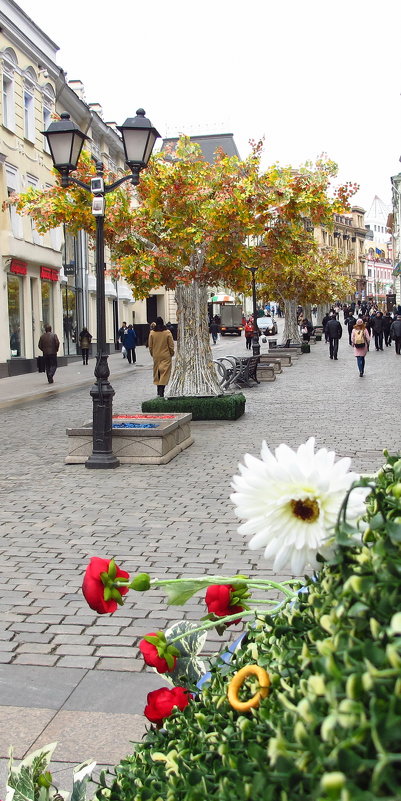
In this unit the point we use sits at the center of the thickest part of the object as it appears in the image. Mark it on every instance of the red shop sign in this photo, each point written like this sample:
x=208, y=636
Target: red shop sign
x=48, y=274
x=18, y=267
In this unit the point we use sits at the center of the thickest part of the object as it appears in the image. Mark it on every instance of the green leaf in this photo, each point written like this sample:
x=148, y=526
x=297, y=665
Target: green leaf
x=82, y=775
x=192, y=643
x=393, y=531
x=179, y=594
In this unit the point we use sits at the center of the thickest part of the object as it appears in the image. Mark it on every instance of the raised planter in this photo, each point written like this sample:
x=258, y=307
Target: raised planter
x=224, y=407
x=137, y=439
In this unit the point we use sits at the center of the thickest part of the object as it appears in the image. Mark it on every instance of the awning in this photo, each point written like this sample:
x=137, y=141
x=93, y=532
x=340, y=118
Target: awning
x=221, y=298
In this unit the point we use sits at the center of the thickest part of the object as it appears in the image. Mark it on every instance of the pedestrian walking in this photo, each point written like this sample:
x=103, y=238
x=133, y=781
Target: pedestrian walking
x=387, y=321
x=377, y=329
x=360, y=339
x=350, y=322
x=49, y=345
x=120, y=333
x=395, y=333
x=325, y=320
x=161, y=348
x=334, y=333
x=248, y=334
x=129, y=342
x=214, y=330
x=85, y=339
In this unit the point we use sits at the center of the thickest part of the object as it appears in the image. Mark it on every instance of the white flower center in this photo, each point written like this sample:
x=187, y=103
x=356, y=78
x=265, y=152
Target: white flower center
x=306, y=510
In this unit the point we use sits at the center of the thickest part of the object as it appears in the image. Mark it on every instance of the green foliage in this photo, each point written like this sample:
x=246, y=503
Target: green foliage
x=31, y=781
x=188, y=666
x=331, y=726
x=225, y=407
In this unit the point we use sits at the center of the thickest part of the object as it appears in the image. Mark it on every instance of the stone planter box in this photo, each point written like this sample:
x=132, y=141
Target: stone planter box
x=155, y=439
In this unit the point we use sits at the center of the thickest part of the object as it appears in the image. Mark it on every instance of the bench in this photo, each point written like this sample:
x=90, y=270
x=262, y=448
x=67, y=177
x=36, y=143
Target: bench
x=272, y=361
x=237, y=372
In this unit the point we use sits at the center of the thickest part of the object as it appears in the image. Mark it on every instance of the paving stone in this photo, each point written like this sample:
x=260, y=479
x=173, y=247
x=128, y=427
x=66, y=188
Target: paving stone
x=35, y=659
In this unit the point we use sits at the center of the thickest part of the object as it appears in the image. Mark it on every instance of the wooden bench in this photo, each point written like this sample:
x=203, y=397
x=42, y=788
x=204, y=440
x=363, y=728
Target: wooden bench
x=248, y=368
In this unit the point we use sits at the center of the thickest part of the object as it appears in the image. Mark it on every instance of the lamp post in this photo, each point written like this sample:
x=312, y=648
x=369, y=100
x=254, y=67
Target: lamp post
x=255, y=339
x=65, y=142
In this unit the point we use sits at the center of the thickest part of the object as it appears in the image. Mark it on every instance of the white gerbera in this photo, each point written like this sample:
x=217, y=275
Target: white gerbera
x=291, y=501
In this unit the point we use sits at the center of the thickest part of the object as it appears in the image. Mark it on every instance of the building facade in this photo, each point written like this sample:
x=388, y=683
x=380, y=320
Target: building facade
x=348, y=236
x=379, y=262
x=396, y=234
x=45, y=279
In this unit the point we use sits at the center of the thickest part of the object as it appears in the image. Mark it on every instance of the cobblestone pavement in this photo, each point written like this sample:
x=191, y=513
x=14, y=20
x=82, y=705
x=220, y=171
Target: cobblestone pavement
x=58, y=658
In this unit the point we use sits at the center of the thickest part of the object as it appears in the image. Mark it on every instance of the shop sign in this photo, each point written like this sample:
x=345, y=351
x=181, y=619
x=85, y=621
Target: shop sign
x=48, y=274
x=69, y=269
x=18, y=267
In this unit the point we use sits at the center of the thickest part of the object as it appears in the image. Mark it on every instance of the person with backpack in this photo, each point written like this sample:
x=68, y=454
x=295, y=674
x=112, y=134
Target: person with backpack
x=334, y=333
x=360, y=339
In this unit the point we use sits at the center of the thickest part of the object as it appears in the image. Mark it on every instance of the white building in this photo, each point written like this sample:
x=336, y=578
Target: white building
x=379, y=263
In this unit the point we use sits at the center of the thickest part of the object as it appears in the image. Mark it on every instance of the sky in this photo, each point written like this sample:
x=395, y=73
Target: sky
x=309, y=77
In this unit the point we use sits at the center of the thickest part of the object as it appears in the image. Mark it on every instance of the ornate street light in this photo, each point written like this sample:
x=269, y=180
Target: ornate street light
x=65, y=142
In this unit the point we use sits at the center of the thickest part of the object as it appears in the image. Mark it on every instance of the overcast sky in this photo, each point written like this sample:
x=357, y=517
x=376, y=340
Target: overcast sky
x=311, y=76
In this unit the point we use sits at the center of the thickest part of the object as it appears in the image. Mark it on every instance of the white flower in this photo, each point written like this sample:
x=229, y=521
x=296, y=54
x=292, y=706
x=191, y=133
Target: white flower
x=291, y=500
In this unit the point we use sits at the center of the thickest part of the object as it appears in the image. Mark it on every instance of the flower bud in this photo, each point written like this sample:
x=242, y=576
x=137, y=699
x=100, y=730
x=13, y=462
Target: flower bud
x=141, y=582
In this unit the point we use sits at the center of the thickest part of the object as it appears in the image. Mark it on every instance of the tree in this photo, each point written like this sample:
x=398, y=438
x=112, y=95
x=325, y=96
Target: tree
x=191, y=229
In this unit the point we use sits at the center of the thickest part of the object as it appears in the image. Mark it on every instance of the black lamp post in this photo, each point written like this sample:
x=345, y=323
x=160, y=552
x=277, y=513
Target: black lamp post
x=65, y=142
x=255, y=339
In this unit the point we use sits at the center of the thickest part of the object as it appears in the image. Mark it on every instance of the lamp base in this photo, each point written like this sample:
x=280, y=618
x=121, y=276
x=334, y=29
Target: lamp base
x=102, y=461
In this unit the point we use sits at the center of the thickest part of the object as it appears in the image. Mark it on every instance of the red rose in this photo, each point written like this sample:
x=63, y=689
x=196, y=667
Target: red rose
x=151, y=655
x=93, y=587
x=218, y=597
x=162, y=702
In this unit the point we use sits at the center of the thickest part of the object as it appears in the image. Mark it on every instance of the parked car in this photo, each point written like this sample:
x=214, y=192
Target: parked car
x=267, y=325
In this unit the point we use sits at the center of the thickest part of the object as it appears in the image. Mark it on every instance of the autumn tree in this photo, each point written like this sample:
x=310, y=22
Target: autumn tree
x=191, y=229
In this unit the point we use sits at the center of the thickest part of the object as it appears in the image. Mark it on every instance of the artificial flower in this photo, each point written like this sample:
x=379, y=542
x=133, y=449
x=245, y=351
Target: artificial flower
x=290, y=502
x=93, y=587
x=158, y=653
x=162, y=702
x=218, y=598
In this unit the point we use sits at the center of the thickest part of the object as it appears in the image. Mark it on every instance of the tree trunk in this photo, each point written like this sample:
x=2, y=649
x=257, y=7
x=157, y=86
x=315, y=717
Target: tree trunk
x=291, y=331
x=308, y=311
x=194, y=372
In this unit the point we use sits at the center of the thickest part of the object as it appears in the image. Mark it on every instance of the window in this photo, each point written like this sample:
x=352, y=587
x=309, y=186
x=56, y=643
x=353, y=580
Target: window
x=29, y=128
x=12, y=187
x=37, y=238
x=47, y=302
x=46, y=123
x=8, y=102
x=15, y=316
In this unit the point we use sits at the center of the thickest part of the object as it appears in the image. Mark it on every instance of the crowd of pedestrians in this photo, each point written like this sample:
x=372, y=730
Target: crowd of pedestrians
x=365, y=324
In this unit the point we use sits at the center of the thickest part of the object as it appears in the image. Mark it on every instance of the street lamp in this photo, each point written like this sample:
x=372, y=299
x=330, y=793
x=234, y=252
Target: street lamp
x=65, y=142
x=255, y=339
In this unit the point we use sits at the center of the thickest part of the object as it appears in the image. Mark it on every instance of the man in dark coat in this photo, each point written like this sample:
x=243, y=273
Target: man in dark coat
x=49, y=345
x=377, y=328
x=129, y=342
x=387, y=321
x=334, y=333
x=395, y=333
x=350, y=322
